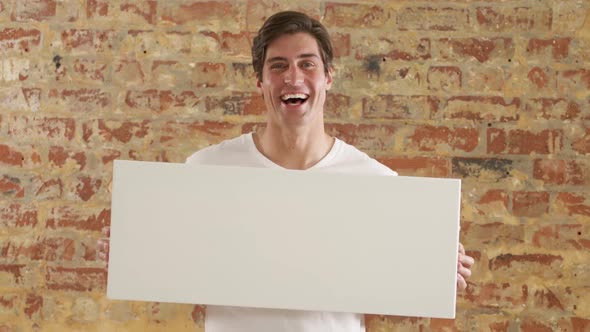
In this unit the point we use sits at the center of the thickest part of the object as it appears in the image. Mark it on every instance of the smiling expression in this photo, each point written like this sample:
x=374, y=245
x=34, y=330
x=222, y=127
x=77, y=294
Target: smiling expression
x=294, y=82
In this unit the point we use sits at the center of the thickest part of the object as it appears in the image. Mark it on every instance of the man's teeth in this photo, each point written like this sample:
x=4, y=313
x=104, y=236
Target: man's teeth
x=293, y=95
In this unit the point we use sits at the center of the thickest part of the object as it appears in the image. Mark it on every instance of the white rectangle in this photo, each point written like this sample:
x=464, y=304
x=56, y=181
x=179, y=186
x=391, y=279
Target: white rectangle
x=266, y=238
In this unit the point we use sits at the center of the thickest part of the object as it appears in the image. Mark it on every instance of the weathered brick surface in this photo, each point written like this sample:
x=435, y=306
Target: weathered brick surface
x=496, y=93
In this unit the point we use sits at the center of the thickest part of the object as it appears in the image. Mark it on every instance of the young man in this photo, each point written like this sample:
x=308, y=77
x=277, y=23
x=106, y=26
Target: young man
x=292, y=58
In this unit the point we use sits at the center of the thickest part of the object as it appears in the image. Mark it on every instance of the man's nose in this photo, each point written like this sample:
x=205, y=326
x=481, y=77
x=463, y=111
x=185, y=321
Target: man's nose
x=293, y=76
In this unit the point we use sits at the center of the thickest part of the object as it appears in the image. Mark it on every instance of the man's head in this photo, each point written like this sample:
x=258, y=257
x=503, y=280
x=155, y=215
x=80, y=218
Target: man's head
x=290, y=22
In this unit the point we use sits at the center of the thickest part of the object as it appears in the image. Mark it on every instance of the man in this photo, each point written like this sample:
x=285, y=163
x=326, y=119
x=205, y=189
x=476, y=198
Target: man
x=292, y=57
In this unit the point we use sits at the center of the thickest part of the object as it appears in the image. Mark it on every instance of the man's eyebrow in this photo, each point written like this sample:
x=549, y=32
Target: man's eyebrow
x=300, y=56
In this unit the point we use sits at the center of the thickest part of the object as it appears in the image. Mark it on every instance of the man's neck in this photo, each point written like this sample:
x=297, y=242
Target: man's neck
x=294, y=149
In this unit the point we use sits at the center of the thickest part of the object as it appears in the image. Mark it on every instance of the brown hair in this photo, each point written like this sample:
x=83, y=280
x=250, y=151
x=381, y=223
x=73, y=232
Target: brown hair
x=290, y=22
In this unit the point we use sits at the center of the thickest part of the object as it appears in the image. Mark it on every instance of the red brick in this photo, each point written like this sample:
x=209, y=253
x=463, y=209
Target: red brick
x=553, y=108
x=236, y=104
x=241, y=77
x=491, y=294
x=574, y=324
x=518, y=141
x=86, y=187
x=386, y=48
x=238, y=44
x=388, y=323
x=486, y=79
x=543, y=261
x=205, y=43
x=128, y=72
x=258, y=11
x=530, y=325
x=109, y=131
x=17, y=216
x=337, y=106
x=11, y=187
x=208, y=132
x=97, y=8
x=507, y=18
x=10, y=156
x=79, y=218
x=59, y=156
x=341, y=44
x=354, y=15
x=8, y=303
x=20, y=99
x=93, y=70
x=146, y=10
x=494, y=195
x=399, y=107
x=80, y=100
x=439, y=324
x=573, y=204
x=18, y=69
x=530, y=204
x=495, y=233
x=364, y=136
x=15, y=271
x=161, y=100
x=36, y=10
x=559, y=47
x=430, y=138
x=488, y=206
x=90, y=248
x=479, y=108
x=40, y=128
x=48, y=249
x=569, y=81
x=50, y=190
x=33, y=306
x=208, y=75
x=432, y=18
x=86, y=40
x=541, y=78
x=418, y=166
x=201, y=12
x=75, y=279
x=582, y=144
x=560, y=172
x=481, y=49
x=19, y=39
x=562, y=237
x=444, y=78
x=108, y=155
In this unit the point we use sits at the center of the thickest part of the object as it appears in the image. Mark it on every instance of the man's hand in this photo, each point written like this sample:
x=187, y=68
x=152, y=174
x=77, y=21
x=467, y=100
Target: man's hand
x=464, y=264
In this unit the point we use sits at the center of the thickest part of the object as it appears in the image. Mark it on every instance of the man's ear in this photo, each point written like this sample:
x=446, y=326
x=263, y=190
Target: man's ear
x=329, y=78
x=259, y=86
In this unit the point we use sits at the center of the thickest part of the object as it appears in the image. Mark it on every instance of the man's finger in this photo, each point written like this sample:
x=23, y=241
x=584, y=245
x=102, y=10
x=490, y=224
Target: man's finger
x=461, y=283
x=463, y=271
x=466, y=261
x=106, y=231
x=461, y=249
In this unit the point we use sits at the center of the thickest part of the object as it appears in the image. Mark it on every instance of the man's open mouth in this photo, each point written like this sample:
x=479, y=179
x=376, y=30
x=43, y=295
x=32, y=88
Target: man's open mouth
x=294, y=98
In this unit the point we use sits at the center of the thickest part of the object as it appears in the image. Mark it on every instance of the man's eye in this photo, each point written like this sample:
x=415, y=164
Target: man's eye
x=308, y=65
x=277, y=66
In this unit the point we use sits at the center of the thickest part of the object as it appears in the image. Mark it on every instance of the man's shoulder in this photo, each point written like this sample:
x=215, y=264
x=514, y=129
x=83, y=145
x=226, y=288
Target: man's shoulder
x=221, y=153
x=351, y=159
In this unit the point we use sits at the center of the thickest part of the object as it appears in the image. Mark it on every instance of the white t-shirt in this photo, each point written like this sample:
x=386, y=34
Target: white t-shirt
x=241, y=151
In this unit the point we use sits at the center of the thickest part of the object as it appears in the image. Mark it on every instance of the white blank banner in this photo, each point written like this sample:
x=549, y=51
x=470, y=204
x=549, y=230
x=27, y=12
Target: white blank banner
x=266, y=238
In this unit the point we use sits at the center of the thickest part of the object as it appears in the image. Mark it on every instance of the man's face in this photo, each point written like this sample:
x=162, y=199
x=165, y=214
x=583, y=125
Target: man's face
x=294, y=82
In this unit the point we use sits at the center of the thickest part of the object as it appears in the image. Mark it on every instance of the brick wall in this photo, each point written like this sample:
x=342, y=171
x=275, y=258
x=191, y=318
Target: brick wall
x=496, y=93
